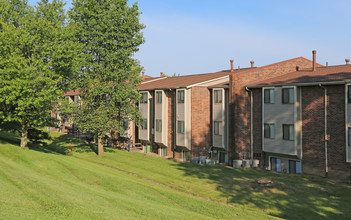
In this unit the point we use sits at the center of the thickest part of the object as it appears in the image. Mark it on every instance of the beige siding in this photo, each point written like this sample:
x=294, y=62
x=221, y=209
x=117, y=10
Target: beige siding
x=144, y=134
x=279, y=114
x=183, y=112
x=218, y=114
x=161, y=113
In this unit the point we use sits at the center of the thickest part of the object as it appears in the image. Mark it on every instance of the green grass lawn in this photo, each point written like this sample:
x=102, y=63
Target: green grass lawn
x=52, y=182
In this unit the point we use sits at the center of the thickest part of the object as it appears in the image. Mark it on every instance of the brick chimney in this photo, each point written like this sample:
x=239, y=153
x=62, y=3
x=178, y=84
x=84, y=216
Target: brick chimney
x=231, y=65
x=326, y=64
x=252, y=63
x=314, y=60
x=347, y=61
x=161, y=74
x=143, y=74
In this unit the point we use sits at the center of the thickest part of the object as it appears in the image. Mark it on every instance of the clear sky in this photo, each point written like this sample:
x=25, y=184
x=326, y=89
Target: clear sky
x=201, y=36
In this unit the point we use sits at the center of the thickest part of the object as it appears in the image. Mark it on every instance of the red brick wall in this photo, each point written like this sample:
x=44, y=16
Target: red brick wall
x=313, y=132
x=257, y=126
x=239, y=132
x=171, y=131
x=201, y=138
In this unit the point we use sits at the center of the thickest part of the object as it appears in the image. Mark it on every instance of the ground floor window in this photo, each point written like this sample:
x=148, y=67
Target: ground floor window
x=294, y=166
x=221, y=157
x=276, y=164
x=186, y=155
x=163, y=151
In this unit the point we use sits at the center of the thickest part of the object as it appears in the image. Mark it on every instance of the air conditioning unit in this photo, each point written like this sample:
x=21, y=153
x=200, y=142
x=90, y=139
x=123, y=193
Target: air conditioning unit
x=255, y=163
x=246, y=163
x=237, y=163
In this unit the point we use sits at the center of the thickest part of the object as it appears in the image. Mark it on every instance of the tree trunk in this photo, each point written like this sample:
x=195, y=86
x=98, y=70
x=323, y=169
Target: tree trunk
x=24, y=137
x=100, y=145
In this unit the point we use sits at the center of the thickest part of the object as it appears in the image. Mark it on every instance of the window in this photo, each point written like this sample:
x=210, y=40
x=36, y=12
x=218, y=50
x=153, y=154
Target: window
x=158, y=97
x=288, y=96
x=76, y=99
x=294, y=166
x=349, y=94
x=349, y=137
x=181, y=96
x=276, y=164
x=218, y=96
x=125, y=124
x=269, y=131
x=143, y=124
x=217, y=127
x=269, y=96
x=181, y=127
x=158, y=125
x=144, y=97
x=288, y=132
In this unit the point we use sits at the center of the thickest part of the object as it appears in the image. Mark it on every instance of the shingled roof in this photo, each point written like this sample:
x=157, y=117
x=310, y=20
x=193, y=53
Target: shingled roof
x=329, y=74
x=182, y=81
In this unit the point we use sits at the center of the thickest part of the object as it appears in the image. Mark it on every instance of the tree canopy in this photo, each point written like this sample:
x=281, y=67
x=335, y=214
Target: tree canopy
x=38, y=57
x=110, y=31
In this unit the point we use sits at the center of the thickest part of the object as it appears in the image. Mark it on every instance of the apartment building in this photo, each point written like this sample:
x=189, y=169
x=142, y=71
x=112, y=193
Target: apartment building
x=302, y=121
x=179, y=114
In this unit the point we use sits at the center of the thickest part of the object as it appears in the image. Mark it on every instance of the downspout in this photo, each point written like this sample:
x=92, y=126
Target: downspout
x=325, y=130
x=251, y=123
x=174, y=122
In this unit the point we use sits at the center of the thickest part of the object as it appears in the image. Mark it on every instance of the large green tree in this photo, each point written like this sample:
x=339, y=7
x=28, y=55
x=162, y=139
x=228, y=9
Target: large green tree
x=37, y=57
x=111, y=33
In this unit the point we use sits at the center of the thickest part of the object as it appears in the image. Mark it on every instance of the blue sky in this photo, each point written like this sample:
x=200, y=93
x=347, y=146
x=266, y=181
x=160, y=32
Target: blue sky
x=201, y=36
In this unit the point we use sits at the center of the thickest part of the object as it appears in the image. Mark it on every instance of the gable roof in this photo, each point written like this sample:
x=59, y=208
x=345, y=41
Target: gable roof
x=330, y=74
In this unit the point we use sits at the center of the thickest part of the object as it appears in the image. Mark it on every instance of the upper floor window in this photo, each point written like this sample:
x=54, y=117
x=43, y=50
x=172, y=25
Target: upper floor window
x=125, y=124
x=269, y=131
x=181, y=127
x=269, y=96
x=349, y=94
x=217, y=96
x=217, y=127
x=144, y=97
x=288, y=95
x=143, y=124
x=181, y=96
x=158, y=125
x=288, y=132
x=159, y=97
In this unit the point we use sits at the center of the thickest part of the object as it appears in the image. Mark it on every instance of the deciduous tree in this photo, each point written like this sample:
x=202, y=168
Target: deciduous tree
x=111, y=33
x=37, y=59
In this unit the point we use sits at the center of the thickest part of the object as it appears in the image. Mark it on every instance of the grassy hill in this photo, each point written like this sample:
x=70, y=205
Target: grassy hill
x=51, y=182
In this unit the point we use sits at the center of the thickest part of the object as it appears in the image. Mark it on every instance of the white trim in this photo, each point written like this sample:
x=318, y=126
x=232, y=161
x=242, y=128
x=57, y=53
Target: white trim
x=264, y=88
x=209, y=81
x=152, y=80
x=295, y=113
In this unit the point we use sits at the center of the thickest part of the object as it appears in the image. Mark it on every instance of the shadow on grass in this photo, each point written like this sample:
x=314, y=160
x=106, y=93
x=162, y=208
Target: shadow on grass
x=290, y=196
x=56, y=145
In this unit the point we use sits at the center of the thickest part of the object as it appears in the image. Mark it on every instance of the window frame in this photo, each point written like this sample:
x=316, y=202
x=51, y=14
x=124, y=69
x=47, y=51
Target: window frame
x=290, y=134
x=288, y=97
x=218, y=96
x=181, y=96
x=158, y=125
x=217, y=128
x=270, y=132
x=269, y=96
x=349, y=94
x=143, y=124
x=180, y=129
x=159, y=97
x=144, y=97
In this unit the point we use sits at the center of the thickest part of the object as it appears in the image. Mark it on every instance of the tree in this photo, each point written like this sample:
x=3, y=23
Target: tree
x=37, y=57
x=111, y=33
